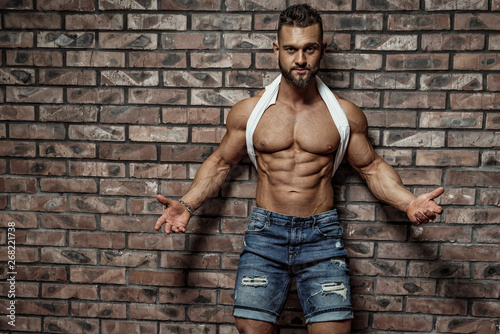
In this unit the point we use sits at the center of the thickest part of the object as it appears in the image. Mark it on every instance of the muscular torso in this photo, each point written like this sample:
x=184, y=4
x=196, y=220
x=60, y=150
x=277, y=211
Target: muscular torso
x=295, y=150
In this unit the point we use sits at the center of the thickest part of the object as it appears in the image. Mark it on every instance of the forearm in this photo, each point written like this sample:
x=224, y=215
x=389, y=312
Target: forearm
x=385, y=184
x=208, y=180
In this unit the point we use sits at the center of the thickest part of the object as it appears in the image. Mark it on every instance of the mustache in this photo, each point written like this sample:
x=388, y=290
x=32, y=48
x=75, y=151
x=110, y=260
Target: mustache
x=307, y=67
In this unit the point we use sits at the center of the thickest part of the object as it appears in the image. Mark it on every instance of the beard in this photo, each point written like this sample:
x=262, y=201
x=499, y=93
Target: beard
x=301, y=82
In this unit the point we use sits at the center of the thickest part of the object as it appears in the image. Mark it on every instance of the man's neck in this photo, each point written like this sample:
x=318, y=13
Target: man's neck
x=293, y=96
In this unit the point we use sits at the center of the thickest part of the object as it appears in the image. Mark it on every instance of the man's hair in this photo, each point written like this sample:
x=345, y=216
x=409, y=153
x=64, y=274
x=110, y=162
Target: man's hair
x=300, y=16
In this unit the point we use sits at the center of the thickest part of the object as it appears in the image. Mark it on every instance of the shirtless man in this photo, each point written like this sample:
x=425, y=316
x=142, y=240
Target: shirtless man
x=293, y=231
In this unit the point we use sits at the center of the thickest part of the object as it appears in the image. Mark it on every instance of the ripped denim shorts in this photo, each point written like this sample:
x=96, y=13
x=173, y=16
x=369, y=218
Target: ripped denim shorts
x=278, y=248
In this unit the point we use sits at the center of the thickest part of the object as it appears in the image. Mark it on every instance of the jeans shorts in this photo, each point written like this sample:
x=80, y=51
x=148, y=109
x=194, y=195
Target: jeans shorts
x=278, y=248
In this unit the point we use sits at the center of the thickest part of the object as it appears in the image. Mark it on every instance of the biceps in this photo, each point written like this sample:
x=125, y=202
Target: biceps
x=360, y=153
x=232, y=147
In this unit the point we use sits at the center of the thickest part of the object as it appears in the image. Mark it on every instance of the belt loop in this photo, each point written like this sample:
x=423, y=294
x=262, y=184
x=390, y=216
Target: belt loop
x=268, y=218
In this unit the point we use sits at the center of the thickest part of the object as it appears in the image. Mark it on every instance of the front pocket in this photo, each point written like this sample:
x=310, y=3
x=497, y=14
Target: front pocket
x=256, y=225
x=329, y=229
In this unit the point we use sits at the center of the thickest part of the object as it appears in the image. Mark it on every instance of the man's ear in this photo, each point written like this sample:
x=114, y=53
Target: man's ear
x=276, y=49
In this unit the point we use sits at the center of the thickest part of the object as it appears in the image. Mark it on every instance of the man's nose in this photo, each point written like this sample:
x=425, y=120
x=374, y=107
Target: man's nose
x=301, y=59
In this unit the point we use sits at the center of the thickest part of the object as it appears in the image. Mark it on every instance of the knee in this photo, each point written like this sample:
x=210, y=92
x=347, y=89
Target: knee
x=248, y=326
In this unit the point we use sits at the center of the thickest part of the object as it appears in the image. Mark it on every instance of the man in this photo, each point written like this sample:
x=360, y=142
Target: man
x=297, y=133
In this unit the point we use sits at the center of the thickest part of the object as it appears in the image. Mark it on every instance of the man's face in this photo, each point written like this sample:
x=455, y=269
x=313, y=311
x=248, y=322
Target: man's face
x=299, y=53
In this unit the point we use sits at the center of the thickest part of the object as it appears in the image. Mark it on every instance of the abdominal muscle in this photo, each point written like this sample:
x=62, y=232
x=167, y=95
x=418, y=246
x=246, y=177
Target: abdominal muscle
x=294, y=182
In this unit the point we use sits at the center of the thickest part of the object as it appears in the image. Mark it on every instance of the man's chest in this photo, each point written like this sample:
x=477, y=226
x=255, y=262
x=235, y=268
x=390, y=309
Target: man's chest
x=311, y=130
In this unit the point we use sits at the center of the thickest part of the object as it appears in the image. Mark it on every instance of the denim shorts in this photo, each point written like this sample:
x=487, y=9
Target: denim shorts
x=278, y=248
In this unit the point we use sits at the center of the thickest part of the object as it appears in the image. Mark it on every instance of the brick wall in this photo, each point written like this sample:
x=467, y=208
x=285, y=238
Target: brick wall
x=106, y=103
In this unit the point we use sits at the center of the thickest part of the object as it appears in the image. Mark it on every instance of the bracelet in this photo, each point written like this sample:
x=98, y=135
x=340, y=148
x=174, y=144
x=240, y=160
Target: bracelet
x=187, y=207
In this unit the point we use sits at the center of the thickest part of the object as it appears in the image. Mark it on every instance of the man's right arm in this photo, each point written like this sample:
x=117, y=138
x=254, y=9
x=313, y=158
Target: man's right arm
x=212, y=173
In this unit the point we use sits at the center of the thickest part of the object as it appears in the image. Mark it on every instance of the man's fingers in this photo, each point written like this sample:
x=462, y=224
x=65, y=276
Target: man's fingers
x=163, y=200
x=436, y=193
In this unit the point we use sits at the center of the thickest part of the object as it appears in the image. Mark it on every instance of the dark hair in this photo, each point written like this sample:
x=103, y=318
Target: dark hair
x=300, y=16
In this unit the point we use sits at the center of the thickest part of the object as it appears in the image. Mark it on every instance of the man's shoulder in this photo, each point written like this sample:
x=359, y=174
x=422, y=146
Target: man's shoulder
x=239, y=114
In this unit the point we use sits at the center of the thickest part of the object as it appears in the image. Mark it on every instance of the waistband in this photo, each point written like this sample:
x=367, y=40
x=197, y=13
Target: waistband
x=318, y=218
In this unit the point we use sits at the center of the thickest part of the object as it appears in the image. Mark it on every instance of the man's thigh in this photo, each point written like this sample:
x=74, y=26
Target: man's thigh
x=334, y=327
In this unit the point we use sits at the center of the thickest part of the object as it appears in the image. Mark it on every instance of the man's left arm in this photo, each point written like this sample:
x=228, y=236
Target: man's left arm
x=382, y=180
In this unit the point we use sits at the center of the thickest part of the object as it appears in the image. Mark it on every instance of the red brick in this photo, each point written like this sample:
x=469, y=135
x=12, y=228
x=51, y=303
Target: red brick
x=59, y=113
x=472, y=178
x=129, y=4
x=416, y=62
x=451, y=82
x=464, y=101
x=493, y=121
x=486, y=270
x=420, y=323
x=97, y=275
x=353, y=22
x=96, y=240
x=164, y=134
x=128, y=259
x=100, y=169
x=454, y=5
x=98, y=310
x=68, y=77
x=478, y=21
x=23, y=289
x=120, y=40
x=489, y=235
x=95, y=59
x=486, y=309
x=193, y=41
x=126, y=294
x=436, y=306
x=38, y=203
x=40, y=238
x=19, y=5
x=465, y=325
x=94, y=22
x=406, y=287
x=41, y=273
x=412, y=100
x=489, y=197
x=95, y=95
x=452, y=42
x=211, y=314
x=386, y=42
x=194, y=328
x=257, y=5
x=390, y=5
x=157, y=59
x=37, y=167
x=16, y=39
x=472, y=289
x=157, y=96
x=221, y=60
x=157, y=312
x=67, y=325
x=377, y=304
x=161, y=22
x=127, y=152
x=376, y=232
x=157, y=278
x=471, y=253
x=67, y=150
x=68, y=291
x=38, y=307
x=472, y=215
x=130, y=114
x=384, y=81
x=443, y=234
x=447, y=158
x=129, y=78
x=157, y=241
x=69, y=5
x=57, y=39
x=493, y=42
x=211, y=280
x=128, y=224
x=439, y=270
x=119, y=327
x=476, y=61
x=10, y=76
x=352, y=61
x=180, y=5
x=193, y=261
x=409, y=138
x=68, y=221
x=21, y=220
x=37, y=131
x=34, y=58
x=157, y=171
x=57, y=185
x=391, y=118
x=17, y=185
x=17, y=113
x=419, y=22
x=239, y=22
x=371, y=267
x=78, y=257
x=362, y=99
x=25, y=21
x=96, y=133
x=34, y=94
x=97, y=205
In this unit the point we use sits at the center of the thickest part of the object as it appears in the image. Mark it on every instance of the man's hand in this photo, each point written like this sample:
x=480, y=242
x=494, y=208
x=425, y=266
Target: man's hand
x=175, y=216
x=423, y=208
